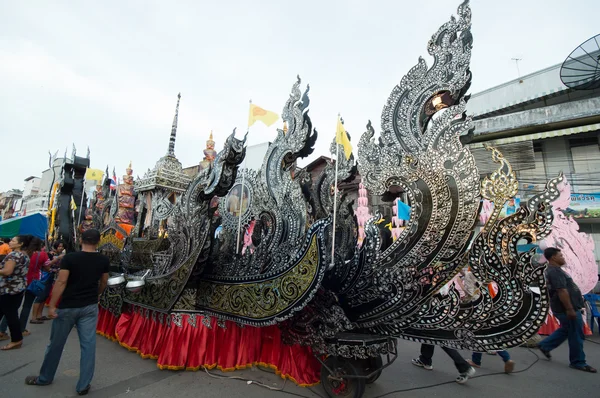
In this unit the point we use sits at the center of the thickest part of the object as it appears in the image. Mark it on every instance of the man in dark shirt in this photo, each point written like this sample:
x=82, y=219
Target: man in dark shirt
x=566, y=303
x=81, y=279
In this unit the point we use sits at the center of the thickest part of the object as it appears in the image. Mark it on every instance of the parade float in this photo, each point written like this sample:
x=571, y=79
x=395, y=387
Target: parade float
x=306, y=300
x=68, y=199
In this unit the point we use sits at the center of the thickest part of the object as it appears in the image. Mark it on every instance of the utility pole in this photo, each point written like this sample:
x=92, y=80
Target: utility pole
x=517, y=63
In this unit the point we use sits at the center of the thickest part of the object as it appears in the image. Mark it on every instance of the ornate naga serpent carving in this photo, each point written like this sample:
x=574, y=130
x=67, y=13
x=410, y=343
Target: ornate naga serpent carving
x=516, y=312
x=277, y=277
x=394, y=292
x=419, y=151
x=261, y=300
x=271, y=198
x=189, y=232
x=285, y=264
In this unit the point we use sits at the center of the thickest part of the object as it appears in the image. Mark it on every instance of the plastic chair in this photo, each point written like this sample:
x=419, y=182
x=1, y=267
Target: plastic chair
x=595, y=315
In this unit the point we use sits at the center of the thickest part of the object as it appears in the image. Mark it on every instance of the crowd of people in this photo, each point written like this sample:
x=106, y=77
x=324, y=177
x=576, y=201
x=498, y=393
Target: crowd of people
x=29, y=273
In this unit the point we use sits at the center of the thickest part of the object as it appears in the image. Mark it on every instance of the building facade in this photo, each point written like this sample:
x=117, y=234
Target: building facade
x=10, y=203
x=544, y=128
x=33, y=199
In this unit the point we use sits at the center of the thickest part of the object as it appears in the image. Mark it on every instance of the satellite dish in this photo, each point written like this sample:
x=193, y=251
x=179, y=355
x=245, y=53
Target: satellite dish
x=581, y=69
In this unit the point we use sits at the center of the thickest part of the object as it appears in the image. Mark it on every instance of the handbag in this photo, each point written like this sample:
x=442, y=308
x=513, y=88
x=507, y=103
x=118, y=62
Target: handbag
x=38, y=287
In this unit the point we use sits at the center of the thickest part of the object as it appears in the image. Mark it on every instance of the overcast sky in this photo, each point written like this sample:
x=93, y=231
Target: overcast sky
x=107, y=73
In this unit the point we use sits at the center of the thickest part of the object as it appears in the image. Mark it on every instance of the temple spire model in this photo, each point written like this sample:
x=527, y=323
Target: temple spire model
x=174, y=129
x=160, y=187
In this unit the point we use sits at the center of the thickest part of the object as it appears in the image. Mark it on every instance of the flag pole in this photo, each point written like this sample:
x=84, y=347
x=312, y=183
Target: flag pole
x=75, y=227
x=337, y=156
x=241, y=200
x=81, y=204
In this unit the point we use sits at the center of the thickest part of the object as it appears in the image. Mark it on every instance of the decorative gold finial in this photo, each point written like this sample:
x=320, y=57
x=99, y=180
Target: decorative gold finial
x=211, y=136
x=502, y=184
x=285, y=128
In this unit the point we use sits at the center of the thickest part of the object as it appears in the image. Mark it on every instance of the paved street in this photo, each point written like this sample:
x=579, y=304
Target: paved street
x=120, y=373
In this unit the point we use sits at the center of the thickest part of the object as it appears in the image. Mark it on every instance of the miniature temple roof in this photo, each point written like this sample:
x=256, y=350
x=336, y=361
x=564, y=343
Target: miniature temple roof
x=167, y=173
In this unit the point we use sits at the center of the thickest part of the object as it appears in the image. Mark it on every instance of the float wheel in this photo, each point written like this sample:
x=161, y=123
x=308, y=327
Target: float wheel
x=338, y=386
x=372, y=364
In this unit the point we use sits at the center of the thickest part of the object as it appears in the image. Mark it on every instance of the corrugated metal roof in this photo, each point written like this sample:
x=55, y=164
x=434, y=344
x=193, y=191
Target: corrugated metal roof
x=540, y=136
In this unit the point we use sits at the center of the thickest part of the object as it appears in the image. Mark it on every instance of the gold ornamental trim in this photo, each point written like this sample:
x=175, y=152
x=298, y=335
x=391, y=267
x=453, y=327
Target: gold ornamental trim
x=111, y=239
x=266, y=298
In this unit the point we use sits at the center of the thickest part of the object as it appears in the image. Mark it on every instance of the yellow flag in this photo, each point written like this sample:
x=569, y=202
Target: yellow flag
x=94, y=175
x=73, y=205
x=341, y=137
x=258, y=113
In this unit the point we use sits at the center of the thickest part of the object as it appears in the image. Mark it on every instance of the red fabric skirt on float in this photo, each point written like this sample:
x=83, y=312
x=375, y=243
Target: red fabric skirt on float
x=192, y=342
x=552, y=324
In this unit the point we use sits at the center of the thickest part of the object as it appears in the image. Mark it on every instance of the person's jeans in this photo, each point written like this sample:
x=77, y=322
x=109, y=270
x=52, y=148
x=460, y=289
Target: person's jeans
x=427, y=357
x=9, y=309
x=86, y=319
x=571, y=330
x=476, y=357
x=25, y=311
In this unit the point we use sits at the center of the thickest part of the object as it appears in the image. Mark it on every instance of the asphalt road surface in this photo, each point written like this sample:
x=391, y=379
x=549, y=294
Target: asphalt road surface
x=120, y=373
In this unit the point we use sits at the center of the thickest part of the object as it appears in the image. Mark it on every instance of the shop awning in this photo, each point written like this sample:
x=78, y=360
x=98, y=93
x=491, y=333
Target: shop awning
x=35, y=224
x=540, y=136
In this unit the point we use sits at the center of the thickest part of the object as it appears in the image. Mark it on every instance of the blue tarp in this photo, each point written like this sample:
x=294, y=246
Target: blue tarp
x=35, y=224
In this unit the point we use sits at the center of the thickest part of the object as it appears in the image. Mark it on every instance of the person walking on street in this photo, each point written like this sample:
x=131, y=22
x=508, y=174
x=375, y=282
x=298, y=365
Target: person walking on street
x=81, y=279
x=472, y=291
x=52, y=266
x=425, y=361
x=13, y=274
x=566, y=303
x=34, y=272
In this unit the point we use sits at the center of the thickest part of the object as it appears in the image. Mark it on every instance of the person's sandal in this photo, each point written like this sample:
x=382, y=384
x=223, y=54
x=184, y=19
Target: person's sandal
x=14, y=346
x=33, y=381
x=546, y=353
x=36, y=321
x=26, y=332
x=586, y=368
x=473, y=364
x=4, y=336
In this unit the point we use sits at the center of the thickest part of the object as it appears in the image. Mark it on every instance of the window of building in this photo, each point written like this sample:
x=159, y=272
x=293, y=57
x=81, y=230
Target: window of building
x=533, y=181
x=586, y=162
